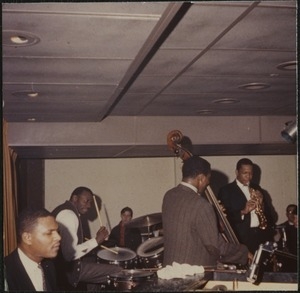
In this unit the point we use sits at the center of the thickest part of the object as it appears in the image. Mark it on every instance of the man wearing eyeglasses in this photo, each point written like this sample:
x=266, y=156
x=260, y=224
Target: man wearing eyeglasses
x=288, y=239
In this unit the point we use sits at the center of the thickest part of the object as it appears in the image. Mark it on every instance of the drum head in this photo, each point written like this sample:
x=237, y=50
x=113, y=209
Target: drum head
x=151, y=247
x=123, y=254
x=132, y=275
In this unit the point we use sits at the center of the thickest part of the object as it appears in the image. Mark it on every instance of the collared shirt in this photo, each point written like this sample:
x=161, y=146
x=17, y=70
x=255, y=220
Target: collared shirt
x=190, y=186
x=68, y=226
x=246, y=191
x=32, y=270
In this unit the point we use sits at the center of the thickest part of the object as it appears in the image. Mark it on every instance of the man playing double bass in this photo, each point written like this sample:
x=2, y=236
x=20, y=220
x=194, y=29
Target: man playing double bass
x=190, y=225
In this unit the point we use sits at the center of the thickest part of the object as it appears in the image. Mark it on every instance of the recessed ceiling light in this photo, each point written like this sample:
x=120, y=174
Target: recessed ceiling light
x=26, y=94
x=291, y=65
x=204, y=112
x=226, y=101
x=31, y=119
x=254, y=86
x=18, y=38
x=33, y=94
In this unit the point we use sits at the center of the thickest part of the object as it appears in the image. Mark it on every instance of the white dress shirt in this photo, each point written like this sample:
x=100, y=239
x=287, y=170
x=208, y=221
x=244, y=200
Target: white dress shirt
x=190, y=186
x=32, y=270
x=68, y=226
x=254, y=218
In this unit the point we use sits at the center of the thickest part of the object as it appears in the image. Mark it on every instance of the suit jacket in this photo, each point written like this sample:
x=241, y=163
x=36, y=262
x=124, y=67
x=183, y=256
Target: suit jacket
x=291, y=238
x=17, y=278
x=191, y=233
x=234, y=200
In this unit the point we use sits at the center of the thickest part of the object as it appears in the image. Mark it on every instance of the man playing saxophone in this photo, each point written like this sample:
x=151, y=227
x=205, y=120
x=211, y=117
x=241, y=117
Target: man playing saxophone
x=248, y=211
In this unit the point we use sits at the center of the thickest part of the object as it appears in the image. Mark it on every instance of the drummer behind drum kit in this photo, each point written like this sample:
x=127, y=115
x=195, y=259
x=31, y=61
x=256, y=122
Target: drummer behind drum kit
x=140, y=266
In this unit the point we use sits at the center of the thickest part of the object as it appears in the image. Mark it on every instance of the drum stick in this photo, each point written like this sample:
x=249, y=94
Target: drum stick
x=111, y=250
x=97, y=209
x=104, y=247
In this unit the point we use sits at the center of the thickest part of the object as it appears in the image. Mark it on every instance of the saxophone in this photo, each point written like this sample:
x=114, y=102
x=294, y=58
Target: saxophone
x=259, y=209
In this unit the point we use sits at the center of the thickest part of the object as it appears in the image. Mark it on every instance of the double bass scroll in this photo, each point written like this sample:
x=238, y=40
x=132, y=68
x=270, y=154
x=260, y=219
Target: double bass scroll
x=174, y=140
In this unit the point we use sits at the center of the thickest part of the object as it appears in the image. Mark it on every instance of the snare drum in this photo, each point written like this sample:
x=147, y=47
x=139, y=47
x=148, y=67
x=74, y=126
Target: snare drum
x=126, y=258
x=150, y=253
x=129, y=279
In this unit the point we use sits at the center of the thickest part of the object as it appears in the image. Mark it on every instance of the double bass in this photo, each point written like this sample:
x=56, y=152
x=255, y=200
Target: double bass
x=174, y=141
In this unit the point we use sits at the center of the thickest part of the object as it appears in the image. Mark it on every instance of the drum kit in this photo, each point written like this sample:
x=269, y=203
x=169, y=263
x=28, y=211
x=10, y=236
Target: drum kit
x=139, y=266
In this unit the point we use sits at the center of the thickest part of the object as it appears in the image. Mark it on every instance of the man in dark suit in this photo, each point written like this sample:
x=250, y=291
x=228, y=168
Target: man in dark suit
x=29, y=266
x=247, y=209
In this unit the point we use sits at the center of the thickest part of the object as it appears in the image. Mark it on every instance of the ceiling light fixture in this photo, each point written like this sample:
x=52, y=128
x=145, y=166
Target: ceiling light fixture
x=33, y=94
x=290, y=131
x=226, y=101
x=290, y=65
x=26, y=94
x=254, y=86
x=18, y=38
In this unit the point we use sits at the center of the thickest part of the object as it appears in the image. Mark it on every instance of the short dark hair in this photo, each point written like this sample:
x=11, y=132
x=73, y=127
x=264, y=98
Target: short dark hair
x=244, y=161
x=293, y=207
x=127, y=209
x=79, y=190
x=194, y=166
x=27, y=220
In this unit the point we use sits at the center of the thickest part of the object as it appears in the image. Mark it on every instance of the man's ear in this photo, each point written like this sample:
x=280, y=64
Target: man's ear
x=75, y=198
x=27, y=238
x=201, y=177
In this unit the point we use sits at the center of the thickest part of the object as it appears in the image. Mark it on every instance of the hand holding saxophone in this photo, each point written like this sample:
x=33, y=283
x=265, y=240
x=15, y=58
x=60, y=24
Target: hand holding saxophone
x=257, y=197
x=255, y=202
x=249, y=207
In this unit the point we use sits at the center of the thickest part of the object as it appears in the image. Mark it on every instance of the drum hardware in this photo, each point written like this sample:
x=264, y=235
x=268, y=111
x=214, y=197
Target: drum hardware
x=260, y=260
x=126, y=280
x=146, y=236
x=145, y=221
x=266, y=254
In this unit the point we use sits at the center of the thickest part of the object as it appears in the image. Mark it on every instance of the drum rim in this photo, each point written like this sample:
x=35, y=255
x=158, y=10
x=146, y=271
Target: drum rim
x=114, y=257
x=146, y=245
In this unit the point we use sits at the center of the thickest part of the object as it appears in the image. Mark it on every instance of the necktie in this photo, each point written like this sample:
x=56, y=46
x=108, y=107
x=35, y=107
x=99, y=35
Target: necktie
x=43, y=277
x=122, y=236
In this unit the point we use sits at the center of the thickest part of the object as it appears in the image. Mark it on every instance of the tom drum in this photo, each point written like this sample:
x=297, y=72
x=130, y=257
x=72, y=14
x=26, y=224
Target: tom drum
x=150, y=253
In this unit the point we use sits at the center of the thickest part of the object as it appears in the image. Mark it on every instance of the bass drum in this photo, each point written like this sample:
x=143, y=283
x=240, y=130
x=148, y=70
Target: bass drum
x=125, y=257
x=150, y=253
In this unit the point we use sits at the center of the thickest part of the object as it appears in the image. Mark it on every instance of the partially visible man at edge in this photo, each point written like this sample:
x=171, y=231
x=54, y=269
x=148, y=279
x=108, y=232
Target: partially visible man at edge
x=29, y=267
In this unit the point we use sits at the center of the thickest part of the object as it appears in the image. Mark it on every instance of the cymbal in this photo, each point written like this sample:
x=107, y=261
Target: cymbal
x=145, y=221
